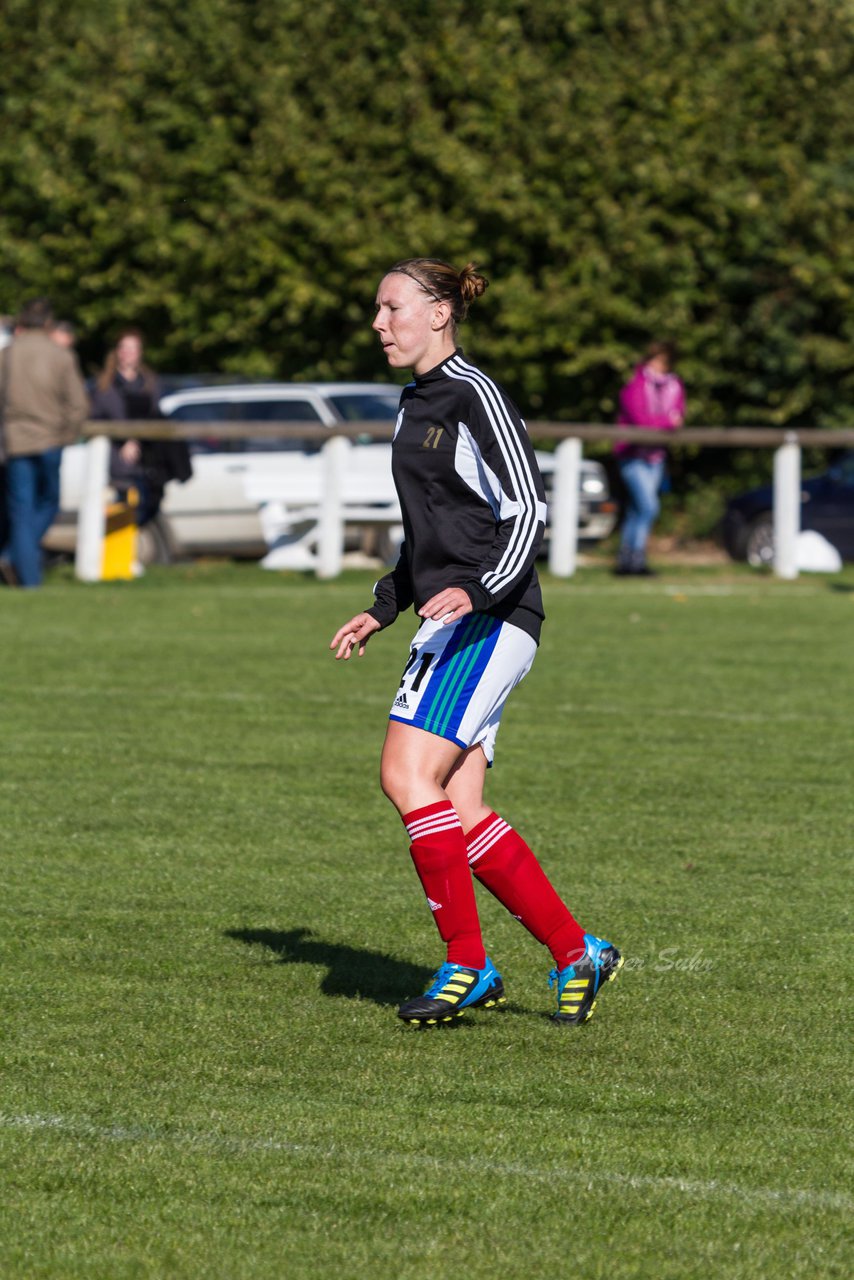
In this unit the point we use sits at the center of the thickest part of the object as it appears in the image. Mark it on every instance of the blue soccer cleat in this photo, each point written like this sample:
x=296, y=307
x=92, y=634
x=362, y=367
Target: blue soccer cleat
x=453, y=990
x=579, y=983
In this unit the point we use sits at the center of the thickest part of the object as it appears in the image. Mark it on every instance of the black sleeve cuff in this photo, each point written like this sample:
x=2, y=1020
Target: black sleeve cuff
x=478, y=594
x=384, y=616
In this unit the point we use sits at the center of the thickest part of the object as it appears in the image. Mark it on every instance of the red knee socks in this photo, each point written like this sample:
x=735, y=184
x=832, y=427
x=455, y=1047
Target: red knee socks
x=439, y=852
x=501, y=860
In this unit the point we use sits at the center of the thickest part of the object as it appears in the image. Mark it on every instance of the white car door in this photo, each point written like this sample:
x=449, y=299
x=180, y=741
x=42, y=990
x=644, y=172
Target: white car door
x=211, y=512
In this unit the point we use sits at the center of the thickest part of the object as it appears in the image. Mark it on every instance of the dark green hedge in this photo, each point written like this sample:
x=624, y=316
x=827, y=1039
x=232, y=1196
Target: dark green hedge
x=234, y=177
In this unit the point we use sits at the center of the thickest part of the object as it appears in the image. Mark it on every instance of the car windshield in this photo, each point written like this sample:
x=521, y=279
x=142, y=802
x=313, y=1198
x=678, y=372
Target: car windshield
x=366, y=406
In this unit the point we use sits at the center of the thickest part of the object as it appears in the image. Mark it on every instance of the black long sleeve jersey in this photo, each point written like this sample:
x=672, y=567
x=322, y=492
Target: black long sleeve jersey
x=472, y=499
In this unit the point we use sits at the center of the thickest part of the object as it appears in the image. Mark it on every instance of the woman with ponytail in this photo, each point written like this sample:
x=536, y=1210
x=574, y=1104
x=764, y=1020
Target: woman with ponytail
x=474, y=512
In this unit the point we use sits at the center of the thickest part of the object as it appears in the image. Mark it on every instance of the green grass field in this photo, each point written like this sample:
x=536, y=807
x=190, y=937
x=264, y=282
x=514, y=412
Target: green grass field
x=209, y=915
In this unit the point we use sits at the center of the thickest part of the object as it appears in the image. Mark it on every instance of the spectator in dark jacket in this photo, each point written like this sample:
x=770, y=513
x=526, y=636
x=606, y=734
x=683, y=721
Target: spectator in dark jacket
x=127, y=390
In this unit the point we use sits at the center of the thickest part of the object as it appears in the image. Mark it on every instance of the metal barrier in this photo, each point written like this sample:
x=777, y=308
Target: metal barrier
x=564, y=504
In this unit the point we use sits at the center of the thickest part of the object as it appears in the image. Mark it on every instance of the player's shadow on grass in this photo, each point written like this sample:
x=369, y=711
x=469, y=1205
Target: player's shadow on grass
x=354, y=972
x=350, y=971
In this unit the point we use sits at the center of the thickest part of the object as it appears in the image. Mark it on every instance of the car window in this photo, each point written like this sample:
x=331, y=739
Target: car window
x=275, y=411
x=247, y=411
x=206, y=411
x=366, y=406
x=210, y=411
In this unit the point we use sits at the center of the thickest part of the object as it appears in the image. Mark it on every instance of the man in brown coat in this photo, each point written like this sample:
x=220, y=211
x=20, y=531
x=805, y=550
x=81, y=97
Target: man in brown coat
x=44, y=404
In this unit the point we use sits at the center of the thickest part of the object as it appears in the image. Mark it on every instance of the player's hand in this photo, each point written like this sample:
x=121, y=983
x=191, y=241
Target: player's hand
x=357, y=631
x=448, y=606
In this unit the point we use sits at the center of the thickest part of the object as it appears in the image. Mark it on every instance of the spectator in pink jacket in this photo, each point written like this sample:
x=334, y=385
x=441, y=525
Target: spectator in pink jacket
x=655, y=400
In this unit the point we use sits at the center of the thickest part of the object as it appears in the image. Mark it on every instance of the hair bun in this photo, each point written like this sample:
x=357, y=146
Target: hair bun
x=472, y=284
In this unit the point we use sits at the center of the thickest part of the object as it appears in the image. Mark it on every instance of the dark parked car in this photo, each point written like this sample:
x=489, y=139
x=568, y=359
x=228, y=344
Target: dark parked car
x=827, y=506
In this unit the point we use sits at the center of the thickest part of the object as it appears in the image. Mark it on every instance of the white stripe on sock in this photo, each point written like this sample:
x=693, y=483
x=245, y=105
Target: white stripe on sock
x=421, y=823
x=444, y=820
x=421, y=832
x=484, y=842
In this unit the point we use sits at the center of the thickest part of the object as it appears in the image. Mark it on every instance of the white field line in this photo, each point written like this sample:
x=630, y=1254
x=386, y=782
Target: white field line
x=783, y=1199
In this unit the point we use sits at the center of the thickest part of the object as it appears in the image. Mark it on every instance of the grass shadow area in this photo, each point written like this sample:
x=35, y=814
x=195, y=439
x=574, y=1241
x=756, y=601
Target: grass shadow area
x=354, y=972
x=357, y=973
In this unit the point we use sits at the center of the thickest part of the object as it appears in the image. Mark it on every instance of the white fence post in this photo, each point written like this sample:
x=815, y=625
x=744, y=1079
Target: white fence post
x=787, y=507
x=91, y=520
x=563, y=540
x=330, y=542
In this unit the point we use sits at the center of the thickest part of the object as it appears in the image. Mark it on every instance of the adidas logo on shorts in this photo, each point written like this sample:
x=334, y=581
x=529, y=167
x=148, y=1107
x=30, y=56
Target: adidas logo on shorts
x=400, y=701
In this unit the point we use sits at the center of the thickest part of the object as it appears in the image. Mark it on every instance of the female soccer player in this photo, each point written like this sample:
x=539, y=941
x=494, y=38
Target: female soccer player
x=473, y=509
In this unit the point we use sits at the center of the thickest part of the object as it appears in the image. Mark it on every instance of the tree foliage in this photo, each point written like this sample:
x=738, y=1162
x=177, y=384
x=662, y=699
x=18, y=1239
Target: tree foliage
x=235, y=177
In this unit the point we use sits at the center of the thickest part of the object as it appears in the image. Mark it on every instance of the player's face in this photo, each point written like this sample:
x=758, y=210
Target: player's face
x=404, y=323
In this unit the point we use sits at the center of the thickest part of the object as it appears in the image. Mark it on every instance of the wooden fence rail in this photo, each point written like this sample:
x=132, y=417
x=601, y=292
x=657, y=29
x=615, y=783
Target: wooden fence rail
x=711, y=437
x=787, y=443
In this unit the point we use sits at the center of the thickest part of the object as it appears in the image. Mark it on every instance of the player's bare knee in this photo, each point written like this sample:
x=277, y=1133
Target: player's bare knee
x=408, y=784
x=393, y=780
x=399, y=785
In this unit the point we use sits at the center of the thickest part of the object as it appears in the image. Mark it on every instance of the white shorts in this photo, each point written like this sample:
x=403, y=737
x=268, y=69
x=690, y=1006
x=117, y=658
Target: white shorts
x=458, y=678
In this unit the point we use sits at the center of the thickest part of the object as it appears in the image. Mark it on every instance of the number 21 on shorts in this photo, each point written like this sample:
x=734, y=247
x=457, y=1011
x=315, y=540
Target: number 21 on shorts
x=422, y=668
